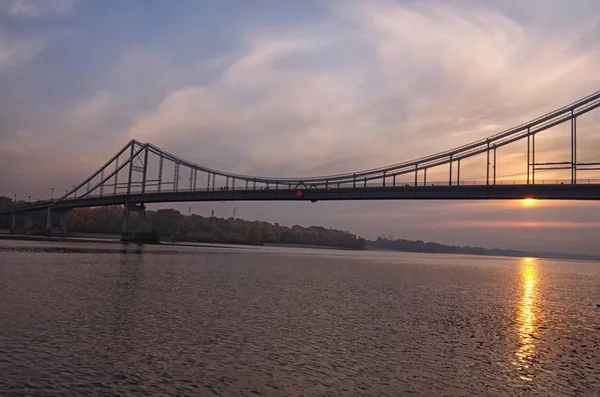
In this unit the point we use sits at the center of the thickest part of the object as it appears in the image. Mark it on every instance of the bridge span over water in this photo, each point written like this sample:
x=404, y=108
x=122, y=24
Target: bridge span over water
x=141, y=173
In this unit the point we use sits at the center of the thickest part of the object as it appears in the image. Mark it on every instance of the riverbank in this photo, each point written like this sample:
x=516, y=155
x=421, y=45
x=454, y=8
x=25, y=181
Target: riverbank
x=108, y=239
x=115, y=239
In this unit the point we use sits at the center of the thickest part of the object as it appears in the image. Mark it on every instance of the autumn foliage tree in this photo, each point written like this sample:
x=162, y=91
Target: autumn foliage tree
x=172, y=225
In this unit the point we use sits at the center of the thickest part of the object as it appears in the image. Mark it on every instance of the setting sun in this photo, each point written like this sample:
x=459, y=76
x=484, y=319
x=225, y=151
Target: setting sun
x=528, y=202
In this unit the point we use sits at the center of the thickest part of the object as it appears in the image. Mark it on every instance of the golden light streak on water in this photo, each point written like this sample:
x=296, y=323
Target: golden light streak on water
x=526, y=320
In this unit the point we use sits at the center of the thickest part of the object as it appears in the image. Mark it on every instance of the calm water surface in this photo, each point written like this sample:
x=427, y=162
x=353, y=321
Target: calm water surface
x=96, y=319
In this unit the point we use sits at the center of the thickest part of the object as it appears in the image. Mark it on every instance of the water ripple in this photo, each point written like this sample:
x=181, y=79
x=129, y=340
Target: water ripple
x=254, y=323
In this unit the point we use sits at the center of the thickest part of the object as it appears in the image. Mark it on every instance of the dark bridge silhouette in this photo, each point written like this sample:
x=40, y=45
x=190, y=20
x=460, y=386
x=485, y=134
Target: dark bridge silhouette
x=142, y=173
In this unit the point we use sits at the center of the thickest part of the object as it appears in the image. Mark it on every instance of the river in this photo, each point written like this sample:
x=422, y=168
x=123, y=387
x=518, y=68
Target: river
x=106, y=319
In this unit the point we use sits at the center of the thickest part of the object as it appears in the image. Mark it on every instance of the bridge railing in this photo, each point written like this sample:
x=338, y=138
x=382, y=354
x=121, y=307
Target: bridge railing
x=398, y=184
x=43, y=204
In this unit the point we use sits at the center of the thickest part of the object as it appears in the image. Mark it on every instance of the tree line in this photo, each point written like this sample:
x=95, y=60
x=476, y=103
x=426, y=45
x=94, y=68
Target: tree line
x=172, y=225
x=435, y=248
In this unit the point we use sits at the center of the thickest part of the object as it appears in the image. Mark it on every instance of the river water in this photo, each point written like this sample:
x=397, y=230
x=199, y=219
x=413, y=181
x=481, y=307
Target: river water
x=106, y=319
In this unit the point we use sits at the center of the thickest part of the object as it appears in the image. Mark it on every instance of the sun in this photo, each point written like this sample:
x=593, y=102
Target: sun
x=528, y=202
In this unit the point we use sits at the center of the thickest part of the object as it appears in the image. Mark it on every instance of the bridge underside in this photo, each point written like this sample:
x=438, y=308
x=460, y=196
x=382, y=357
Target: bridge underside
x=491, y=192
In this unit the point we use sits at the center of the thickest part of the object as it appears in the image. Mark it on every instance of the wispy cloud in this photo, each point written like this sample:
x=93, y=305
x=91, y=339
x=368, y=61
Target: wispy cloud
x=36, y=8
x=18, y=50
x=416, y=78
x=510, y=225
x=19, y=45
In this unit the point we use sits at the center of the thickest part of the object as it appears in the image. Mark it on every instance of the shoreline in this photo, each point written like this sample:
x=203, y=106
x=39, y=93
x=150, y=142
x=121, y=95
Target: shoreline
x=115, y=239
x=111, y=239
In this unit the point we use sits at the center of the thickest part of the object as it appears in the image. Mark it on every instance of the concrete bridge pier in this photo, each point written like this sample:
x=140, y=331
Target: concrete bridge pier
x=135, y=228
x=138, y=222
x=63, y=219
x=20, y=223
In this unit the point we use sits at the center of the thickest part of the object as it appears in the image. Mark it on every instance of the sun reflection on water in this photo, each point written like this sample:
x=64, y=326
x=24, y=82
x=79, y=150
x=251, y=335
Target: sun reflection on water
x=526, y=320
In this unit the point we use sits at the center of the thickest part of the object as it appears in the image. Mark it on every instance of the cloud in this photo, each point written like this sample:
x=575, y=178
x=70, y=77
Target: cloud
x=24, y=9
x=18, y=50
x=377, y=83
x=415, y=78
x=21, y=43
x=88, y=111
x=510, y=225
x=36, y=8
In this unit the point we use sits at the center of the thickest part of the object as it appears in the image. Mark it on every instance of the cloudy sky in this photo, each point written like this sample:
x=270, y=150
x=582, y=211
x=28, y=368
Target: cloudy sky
x=305, y=88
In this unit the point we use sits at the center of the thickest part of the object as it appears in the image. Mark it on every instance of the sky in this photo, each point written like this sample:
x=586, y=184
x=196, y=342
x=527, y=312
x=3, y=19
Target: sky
x=301, y=88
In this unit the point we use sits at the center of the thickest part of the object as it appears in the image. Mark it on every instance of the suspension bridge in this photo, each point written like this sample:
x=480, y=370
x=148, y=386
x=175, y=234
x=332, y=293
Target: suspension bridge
x=141, y=173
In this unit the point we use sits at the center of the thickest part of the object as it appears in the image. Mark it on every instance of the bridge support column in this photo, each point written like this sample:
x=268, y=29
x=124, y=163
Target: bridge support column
x=494, y=164
x=131, y=158
x=20, y=223
x=13, y=223
x=63, y=219
x=160, y=172
x=48, y=220
x=145, y=169
x=533, y=159
x=487, y=165
x=573, y=149
x=528, y=154
x=136, y=229
x=450, y=175
x=116, y=181
x=416, y=174
x=176, y=177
